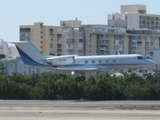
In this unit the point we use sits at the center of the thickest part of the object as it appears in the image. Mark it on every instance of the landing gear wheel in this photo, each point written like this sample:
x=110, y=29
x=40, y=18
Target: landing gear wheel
x=78, y=79
x=82, y=78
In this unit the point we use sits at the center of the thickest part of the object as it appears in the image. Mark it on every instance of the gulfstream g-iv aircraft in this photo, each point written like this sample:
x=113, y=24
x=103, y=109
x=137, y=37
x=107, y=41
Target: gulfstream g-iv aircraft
x=78, y=65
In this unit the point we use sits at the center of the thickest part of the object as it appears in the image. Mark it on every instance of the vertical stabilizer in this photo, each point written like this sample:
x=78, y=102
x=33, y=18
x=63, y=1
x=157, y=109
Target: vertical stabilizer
x=29, y=53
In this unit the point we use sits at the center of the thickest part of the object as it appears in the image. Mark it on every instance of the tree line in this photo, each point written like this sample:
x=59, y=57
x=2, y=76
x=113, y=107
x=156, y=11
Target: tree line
x=52, y=86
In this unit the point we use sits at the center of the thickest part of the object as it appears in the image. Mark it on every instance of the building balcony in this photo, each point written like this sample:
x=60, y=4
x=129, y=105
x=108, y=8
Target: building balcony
x=59, y=50
x=51, y=30
x=134, y=48
x=2, y=56
x=102, y=48
x=51, y=54
x=151, y=53
x=59, y=46
x=104, y=43
x=139, y=41
x=59, y=35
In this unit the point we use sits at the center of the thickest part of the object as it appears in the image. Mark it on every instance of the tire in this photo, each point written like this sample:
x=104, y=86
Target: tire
x=144, y=75
x=78, y=79
x=82, y=78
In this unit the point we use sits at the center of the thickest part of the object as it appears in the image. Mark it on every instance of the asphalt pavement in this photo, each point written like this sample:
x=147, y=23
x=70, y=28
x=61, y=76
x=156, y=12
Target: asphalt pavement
x=75, y=109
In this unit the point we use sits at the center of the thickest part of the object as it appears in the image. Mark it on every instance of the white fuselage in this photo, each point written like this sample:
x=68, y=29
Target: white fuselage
x=108, y=62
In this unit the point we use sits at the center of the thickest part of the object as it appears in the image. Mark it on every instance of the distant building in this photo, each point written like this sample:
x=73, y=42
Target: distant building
x=157, y=57
x=4, y=49
x=16, y=65
x=134, y=17
x=70, y=23
x=13, y=53
x=47, y=39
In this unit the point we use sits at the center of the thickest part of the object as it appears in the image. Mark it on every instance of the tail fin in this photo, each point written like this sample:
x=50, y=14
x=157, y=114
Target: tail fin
x=29, y=53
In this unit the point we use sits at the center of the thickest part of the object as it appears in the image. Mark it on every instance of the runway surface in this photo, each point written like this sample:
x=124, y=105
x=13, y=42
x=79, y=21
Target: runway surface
x=86, y=110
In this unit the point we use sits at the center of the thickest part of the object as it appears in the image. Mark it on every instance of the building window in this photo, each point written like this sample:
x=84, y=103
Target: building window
x=51, y=45
x=100, y=61
x=10, y=65
x=41, y=25
x=80, y=51
x=51, y=40
x=81, y=35
x=138, y=37
x=80, y=40
x=126, y=17
x=114, y=61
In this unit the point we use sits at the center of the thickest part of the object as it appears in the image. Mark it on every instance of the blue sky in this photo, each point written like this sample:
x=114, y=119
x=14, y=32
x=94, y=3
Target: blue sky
x=14, y=13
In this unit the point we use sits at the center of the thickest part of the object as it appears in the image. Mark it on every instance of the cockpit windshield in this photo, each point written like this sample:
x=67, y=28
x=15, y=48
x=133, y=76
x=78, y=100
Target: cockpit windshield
x=141, y=57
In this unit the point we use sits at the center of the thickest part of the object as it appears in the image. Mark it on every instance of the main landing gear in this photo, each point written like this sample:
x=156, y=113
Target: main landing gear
x=79, y=78
x=82, y=78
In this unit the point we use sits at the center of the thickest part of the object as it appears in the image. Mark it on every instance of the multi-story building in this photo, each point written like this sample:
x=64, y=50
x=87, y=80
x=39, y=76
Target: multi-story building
x=16, y=65
x=4, y=52
x=47, y=39
x=13, y=53
x=134, y=17
x=70, y=23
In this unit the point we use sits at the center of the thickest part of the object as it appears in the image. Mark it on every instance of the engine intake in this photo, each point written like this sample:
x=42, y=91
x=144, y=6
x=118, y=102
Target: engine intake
x=60, y=60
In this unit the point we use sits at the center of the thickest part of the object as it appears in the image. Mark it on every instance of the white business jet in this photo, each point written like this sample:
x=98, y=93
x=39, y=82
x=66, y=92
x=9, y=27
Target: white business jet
x=78, y=65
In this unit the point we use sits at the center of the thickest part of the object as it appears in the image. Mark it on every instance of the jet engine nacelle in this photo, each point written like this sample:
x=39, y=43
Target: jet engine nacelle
x=61, y=60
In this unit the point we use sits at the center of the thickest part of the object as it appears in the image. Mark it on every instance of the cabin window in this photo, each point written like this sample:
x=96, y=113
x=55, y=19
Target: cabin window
x=107, y=61
x=86, y=62
x=93, y=61
x=100, y=61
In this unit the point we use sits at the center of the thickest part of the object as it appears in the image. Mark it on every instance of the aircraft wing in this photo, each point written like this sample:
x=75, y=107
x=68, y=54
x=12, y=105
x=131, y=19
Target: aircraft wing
x=78, y=69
